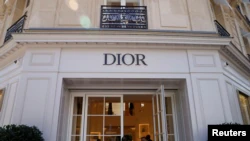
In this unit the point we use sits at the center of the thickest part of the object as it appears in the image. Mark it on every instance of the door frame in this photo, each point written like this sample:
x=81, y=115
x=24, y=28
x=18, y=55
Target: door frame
x=87, y=93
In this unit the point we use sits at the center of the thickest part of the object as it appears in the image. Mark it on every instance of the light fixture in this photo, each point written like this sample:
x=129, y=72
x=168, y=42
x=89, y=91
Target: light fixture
x=142, y=105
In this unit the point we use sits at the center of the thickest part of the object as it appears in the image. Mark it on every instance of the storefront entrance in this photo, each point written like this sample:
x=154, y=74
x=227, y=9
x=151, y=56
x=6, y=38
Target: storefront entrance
x=110, y=116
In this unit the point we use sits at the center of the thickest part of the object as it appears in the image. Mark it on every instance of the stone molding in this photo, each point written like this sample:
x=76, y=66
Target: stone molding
x=114, y=39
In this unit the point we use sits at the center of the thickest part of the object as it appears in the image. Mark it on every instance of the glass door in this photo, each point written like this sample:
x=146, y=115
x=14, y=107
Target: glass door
x=103, y=119
x=111, y=117
x=159, y=118
x=76, y=118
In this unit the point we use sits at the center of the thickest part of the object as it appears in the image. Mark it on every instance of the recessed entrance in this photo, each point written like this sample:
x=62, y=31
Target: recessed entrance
x=111, y=117
x=113, y=114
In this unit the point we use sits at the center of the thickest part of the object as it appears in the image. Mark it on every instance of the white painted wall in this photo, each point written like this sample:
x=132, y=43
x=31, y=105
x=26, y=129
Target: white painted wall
x=36, y=87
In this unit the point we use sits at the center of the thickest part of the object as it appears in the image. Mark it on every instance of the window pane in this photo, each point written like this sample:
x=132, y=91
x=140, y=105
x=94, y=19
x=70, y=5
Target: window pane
x=94, y=125
x=156, y=124
x=96, y=105
x=155, y=105
x=112, y=138
x=94, y=138
x=171, y=138
x=77, y=110
x=76, y=125
x=168, y=103
x=112, y=125
x=160, y=121
x=244, y=106
x=170, y=125
x=112, y=105
x=1, y=98
x=132, y=2
x=75, y=138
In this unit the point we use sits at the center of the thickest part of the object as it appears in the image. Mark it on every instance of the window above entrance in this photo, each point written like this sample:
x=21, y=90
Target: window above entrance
x=124, y=2
x=124, y=14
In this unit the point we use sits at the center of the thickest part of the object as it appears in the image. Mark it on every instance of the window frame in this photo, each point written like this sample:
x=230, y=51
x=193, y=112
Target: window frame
x=174, y=113
x=85, y=95
x=123, y=2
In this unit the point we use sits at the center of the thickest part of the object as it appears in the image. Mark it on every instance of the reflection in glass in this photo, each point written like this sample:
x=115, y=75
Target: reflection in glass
x=94, y=124
x=76, y=125
x=1, y=98
x=112, y=125
x=95, y=105
x=244, y=106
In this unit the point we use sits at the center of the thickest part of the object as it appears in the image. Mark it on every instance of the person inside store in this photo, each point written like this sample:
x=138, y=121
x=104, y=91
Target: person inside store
x=143, y=139
x=148, y=138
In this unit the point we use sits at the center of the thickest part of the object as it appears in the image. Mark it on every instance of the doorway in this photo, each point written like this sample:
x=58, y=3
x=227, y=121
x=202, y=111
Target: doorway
x=110, y=116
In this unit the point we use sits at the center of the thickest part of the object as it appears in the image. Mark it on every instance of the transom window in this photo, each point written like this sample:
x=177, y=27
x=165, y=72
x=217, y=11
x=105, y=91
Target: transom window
x=123, y=2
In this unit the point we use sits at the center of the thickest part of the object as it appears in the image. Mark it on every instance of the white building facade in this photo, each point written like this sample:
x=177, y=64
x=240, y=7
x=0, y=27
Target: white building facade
x=79, y=78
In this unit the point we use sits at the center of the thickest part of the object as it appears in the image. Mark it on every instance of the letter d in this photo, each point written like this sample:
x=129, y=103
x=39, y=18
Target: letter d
x=106, y=59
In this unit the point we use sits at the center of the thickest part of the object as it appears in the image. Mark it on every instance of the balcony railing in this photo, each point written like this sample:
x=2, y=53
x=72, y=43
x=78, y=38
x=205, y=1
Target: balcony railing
x=238, y=9
x=17, y=27
x=243, y=16
x=248, y=21
x=124, y=17
x=221, y=30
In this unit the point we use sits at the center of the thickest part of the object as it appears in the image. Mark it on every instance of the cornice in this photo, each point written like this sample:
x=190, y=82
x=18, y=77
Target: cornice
x=118, y=38
x=237, y=58
x=114, y=39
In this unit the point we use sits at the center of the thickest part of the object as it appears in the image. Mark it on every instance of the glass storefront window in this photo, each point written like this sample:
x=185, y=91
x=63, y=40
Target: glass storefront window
x=111, y=117
x=1, y=98
x=244, y=107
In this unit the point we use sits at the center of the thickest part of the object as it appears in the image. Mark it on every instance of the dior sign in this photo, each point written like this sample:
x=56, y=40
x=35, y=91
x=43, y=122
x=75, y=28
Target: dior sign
x=124, y=59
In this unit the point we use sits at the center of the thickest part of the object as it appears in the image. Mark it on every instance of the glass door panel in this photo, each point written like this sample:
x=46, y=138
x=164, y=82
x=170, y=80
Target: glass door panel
x=103, y=119
x=170, y=117
x=76, y=118
x=159, y=116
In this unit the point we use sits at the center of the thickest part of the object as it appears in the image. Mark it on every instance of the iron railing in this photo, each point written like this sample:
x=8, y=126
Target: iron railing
x=238, y=9
x=17, y=27
x=124, y=17
x=244, y=16
x=221, y=30
x=248, y=21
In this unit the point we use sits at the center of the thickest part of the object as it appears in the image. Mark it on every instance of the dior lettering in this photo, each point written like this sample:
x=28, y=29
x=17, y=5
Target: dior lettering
x=124, y=59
